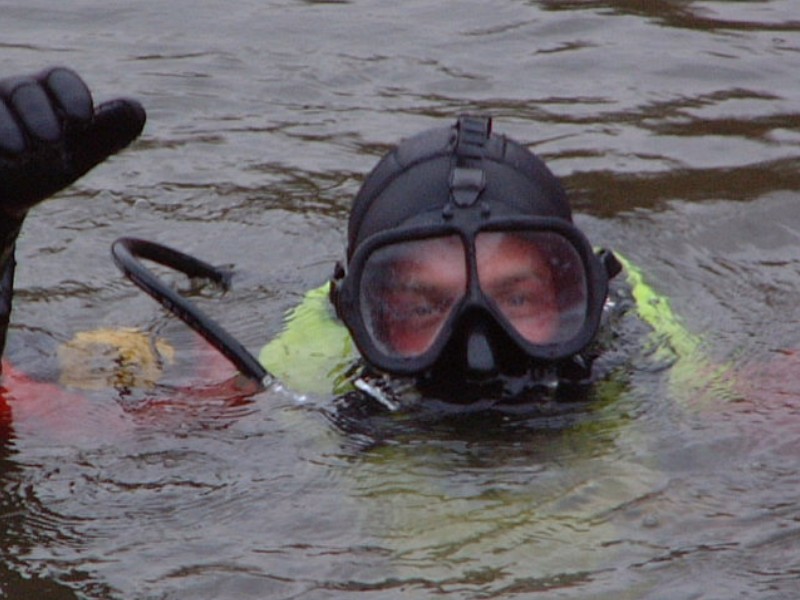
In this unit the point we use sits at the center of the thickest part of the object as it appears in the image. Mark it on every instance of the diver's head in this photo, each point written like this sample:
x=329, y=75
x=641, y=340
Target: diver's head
x=463, y=259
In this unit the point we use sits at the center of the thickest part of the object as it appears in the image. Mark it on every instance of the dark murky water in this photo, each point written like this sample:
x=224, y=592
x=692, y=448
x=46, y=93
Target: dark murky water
x=676, y=127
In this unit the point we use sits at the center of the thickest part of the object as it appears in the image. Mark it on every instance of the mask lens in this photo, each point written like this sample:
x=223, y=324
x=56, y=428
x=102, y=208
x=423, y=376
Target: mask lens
x=408, y=291
x=536, y=280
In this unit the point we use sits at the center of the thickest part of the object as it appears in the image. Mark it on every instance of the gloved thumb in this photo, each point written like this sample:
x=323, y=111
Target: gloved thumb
x=114, y=126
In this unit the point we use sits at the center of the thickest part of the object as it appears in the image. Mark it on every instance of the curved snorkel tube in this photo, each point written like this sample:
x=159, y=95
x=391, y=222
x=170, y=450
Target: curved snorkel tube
x=128, y=251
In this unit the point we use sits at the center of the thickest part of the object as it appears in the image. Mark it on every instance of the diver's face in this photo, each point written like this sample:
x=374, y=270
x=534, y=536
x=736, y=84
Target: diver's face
x=431, y=278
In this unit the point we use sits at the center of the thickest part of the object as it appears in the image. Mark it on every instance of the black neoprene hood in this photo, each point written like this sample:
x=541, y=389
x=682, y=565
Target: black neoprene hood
x=461, y=182
x=415, y=178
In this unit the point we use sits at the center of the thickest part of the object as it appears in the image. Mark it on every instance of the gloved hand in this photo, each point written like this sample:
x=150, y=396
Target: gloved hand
x=51, y=134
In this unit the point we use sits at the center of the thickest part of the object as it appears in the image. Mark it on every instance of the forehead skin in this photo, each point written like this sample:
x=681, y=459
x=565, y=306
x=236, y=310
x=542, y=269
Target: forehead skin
x=443, y=258
x=500, y=254
x=435, y=261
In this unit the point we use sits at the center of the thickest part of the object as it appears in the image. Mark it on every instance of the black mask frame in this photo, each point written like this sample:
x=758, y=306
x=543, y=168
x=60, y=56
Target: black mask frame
x=346, y=292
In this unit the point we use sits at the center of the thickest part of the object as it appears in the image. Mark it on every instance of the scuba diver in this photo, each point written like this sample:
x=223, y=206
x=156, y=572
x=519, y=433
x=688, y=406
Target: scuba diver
x=465, y=274
x=465, y=270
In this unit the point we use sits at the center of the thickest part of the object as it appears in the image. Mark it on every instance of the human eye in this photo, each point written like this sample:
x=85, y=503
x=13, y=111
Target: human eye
x=518, y=301
x=419, y=307
x=522, y=298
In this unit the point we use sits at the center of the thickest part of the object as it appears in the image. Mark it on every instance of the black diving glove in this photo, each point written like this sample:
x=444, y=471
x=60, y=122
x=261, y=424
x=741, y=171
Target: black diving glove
x=51, y=134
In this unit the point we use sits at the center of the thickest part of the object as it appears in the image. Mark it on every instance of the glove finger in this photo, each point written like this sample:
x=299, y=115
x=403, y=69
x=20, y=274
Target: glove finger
x=33, y=108
x=69, y=92
x=115, y=125
x=12, y=140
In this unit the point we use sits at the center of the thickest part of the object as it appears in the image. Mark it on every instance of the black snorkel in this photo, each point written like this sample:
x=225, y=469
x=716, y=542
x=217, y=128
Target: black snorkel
x=128, y=251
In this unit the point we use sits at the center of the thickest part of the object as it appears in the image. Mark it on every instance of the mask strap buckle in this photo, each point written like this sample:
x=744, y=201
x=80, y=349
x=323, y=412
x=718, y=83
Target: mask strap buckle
x=467, y=177
x=466, y=185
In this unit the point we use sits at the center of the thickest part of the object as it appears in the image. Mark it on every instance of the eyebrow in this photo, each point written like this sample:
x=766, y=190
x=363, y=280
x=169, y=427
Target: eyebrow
x=521, y=274
x=417, y=287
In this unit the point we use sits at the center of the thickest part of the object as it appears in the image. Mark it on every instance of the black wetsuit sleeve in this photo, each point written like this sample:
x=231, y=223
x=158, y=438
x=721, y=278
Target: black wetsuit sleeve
x=9, y=230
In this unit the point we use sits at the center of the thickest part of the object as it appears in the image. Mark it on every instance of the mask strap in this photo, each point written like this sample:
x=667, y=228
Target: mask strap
x=610, y=262
x=334, y=287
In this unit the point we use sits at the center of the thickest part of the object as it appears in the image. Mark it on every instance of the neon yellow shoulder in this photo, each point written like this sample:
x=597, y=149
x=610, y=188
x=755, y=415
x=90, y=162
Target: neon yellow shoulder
x=655, y=310
x=314, y=351
x=692, y=372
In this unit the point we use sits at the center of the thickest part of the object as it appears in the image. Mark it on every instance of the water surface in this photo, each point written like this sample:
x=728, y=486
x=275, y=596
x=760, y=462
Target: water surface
x=676, y=128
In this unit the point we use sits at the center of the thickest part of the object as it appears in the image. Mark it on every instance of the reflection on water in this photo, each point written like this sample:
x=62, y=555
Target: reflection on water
x=676, y=128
